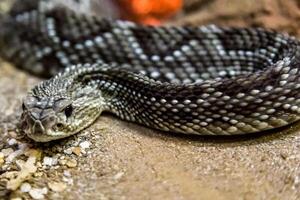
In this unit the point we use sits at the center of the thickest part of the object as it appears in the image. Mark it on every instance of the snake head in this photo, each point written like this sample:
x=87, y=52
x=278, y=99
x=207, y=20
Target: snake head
x=51, y=117
x=63, y=105
x=45, y=119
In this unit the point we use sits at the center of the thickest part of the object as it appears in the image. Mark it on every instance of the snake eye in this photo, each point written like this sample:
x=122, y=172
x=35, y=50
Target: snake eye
x=68, y=110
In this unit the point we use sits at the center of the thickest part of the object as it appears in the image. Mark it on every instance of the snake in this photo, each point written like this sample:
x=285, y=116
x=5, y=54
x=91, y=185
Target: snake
x=203, y=80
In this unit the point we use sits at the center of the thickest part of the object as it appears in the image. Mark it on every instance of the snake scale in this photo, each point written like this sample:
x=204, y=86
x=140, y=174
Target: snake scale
x=205, y=80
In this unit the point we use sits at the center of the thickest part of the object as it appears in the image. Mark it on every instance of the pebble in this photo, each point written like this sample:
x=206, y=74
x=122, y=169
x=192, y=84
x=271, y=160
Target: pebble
x=12, y=141
x=71, y=163
x=76, y=150
x=16, y=198
x=23, y=146
x=83, y=151
x=25, y=187
x=1, y=158
x=57, y=186
x=67, y=173
x=38, y=193
x=26, y=170
x=12, y=134
x=38, y=174
x=69, y=181
x=7, y=151
x=118, y=176
x=14, y=155
x=68, y=151
x=85, y=145
x=49, y=161
x=20, y=163
x=62, y=162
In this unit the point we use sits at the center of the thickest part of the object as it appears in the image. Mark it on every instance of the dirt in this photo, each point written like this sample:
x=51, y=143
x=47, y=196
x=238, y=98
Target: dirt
x=121, y=160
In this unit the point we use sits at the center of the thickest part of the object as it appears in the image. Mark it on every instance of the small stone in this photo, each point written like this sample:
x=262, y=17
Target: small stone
x=37, y=193
x=26, y=170
x=16, y=198
x=71, y=163
x=14, y=155
x=39, y=164
x=69, y=181
x=12, y=141
x=25, y=187
x=118, y=176
x=49, y=161
x=57, y=186
x=67, y=173
x=1, y=159
x=12, y=134
x=83, y=151
x=38, y=174
x=84, y=145
x=23, y=146
x=76, y=150
x=62, y=161
x=7, y=151
x=68, y=151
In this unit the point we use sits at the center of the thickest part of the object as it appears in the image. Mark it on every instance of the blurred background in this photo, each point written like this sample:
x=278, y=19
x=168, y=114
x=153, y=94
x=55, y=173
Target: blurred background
x=282, y=15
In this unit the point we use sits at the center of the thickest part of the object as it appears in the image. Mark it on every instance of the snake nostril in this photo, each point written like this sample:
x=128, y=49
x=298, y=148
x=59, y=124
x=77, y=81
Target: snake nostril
x=59, y=125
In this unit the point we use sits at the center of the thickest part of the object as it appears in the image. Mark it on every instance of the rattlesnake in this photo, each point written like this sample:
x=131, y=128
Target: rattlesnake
x=205, y=80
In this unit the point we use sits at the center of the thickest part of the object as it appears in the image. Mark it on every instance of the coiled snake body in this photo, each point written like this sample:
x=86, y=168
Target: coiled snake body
x=203, y=80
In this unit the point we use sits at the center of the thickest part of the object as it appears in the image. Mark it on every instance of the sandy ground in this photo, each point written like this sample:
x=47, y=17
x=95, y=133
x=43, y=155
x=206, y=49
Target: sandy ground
x=128, y=161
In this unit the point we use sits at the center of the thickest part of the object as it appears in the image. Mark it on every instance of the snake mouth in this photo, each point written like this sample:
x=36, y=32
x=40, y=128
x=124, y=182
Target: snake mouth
x=40, y=130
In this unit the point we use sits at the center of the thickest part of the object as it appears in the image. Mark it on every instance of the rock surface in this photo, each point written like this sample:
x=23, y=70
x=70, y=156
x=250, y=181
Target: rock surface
x=114, y=159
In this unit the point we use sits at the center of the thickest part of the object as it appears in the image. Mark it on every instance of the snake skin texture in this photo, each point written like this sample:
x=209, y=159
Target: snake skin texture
x=205, y=80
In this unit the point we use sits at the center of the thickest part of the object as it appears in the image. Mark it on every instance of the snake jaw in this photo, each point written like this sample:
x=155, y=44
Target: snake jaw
x=40, y=130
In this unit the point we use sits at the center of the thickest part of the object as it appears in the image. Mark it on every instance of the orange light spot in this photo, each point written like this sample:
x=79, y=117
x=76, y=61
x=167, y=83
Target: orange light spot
x=141, y=7
x=149, y=11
